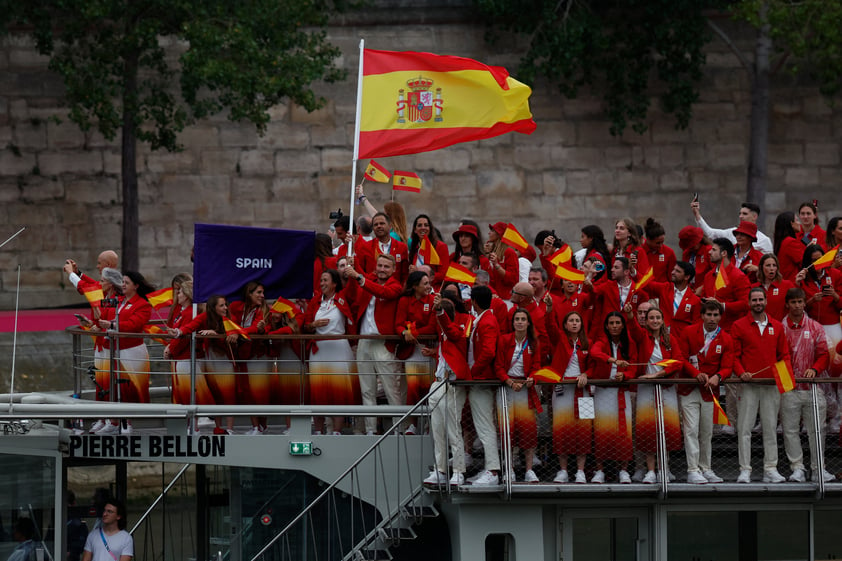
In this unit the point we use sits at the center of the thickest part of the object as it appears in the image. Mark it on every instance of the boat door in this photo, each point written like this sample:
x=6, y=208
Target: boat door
x=609, y=534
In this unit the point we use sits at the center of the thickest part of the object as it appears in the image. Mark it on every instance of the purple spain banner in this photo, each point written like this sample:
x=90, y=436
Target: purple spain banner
x=227, y=257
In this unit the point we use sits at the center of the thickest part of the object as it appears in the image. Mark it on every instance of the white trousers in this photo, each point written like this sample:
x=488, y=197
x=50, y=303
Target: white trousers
x=698, y=429
x=446, y=403
x=766, y=400
x=373, y=359
x=482, y=411
x=797, y=405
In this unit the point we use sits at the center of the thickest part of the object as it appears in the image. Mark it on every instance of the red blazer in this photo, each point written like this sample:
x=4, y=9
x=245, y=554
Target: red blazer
x=645, y=346
x=180, y=347
x=825, y=311
x=662, y=262
x=776, y=298
x=417, y=314
x=817, y=235
x=701, y=261
x=688, y=309
x=385, y=308
x=368, y=251
x=274, y=346
x=563, y=350
x=642, y=259
x=753, y=258
x=454, y=342
x=484, y=340
x=341, y=303
x=502, y=283
x=718, y=359
x=601, y=351
x=133, y=316
x=200, y=323
x=539, y=317
x=247, y=348
x=756, y=351
x=606, y=298
x=734, y=295
x=790, y=256
x=563, y=305
x=506, y=347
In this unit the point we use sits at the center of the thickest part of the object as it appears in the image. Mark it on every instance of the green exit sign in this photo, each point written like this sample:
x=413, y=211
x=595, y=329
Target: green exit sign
x=300, y=448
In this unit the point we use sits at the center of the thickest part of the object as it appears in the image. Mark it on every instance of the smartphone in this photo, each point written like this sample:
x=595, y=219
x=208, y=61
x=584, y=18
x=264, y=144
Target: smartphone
x=695, y=197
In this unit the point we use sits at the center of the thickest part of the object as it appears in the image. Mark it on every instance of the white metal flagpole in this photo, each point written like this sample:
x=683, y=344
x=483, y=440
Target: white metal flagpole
x=356, y=146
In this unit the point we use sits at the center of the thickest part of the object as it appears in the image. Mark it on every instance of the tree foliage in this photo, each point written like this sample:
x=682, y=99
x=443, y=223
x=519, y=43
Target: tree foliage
x=624, y=49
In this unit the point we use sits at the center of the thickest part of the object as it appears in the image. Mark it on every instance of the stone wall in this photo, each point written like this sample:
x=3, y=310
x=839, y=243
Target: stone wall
x=63, y=185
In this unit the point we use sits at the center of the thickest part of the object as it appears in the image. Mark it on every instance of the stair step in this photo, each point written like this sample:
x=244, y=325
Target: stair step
x=394, y=533
x=426, y=511
x=374, y=555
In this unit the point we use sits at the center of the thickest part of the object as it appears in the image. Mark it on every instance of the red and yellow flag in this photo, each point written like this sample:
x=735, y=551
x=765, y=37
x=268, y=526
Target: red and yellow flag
x=160, y=298
x=469, y=326
x=458, y=273
x=231, y=328
x=406, y=181
x=721, y=279
x=155, y=330
x=547, y=375
x=93, y=294
x=428, y=252
x=417, y=102
x=719, y=416
x=644, y=280
x=667, y=362
x=825, y=260
x=784, y=376
x=562, y=256
x=570, y=274
x=513, y=238
x=376, y=172
x=283, y=306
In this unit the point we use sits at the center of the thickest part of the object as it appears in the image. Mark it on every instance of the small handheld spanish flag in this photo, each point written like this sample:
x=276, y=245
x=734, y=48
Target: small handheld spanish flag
x=459, y=274
x=155, y=330
x=825, y=260
x=283, y=306
x=428, y=252
x=667, y=362
x=513, y=238
x=644, y=280
x=719, y=416
x=232, y=328
x=160, y=298
x=570, y=274
x=94, y=294
x=469, y=326
x=562, y=256
x=406, y=181
x=547, y=375
x=376, y=172
x=784, y=376
x=721, y=279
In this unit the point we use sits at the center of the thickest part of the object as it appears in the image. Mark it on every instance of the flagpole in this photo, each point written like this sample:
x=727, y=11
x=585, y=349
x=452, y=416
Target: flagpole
x=356, y=146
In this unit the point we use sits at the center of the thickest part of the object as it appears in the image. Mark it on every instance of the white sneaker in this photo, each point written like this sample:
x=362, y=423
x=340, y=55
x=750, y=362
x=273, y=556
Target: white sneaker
x=436, y=478
x=623, y=477
x=580, y=477
x=128, y=430
x=96, y=427
x=487, y=479
x=638, y=476
x=561, y=476
x=711, y=476
x=457, y=479
x=530, y=477
x=650, y=477
x=370, y=433
x=797, y=476
x=826, y=476
x=772, y=476
x=696, y=478
x=109, y=428
x=671, y=476
x=598, y=477
x=193, y=432
x=334, y=433
x=411, y=430
x=536, y=461
x=475, y=477
x=206, y=422
x=509, y=475
x=254, y=431
x=728, y=429
x=745, y=476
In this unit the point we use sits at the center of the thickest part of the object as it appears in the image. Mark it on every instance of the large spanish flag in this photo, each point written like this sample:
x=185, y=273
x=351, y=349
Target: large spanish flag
x=784, y=376
x=417, y=102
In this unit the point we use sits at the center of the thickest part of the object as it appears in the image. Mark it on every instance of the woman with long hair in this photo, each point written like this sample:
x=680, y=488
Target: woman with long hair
x=571, y=433
x=175, y=308
x=518, y=358
x=330, y=359
x=787, y=247
x=613, y=358
x=503, y=266
x=592, y=240
x=415, y=318
x=396, y=212
x=219, y=362
x=769, y=279
x=422, y=228
x=833, y=237
x=468, y=241
x=660, y=256
x=654, y=347
x=811, y=233
x=324, y=259
x=289, y=385
x=626, y=244
x=254, y=368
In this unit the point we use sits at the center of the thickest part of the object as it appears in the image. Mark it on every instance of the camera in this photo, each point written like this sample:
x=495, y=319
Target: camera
x=109, y=303
x=335, y=214
x=556, y=240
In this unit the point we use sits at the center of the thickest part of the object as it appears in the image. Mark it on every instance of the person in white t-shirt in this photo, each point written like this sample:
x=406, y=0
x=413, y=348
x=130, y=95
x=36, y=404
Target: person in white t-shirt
x=111, y=541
